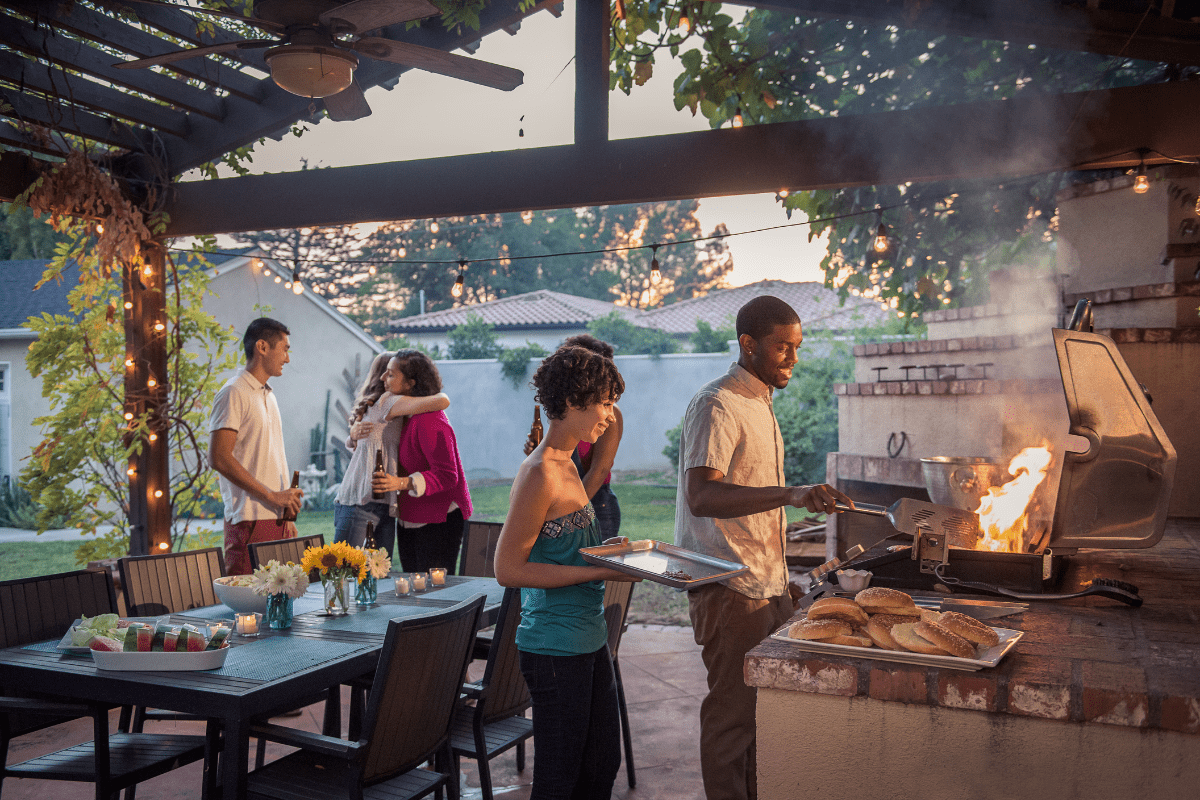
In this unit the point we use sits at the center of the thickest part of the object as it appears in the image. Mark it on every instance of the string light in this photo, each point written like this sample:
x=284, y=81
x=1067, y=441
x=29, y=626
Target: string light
x=1141, y=184
x=434, y=227
x=128, y=304
x=131, y=472
x=151, y=383
x=371, y=270
x=129, y=363
x=297, y=286
x=158, y=326
x=655, y=272
x=128, y=415
x=457, y=289
x=154, y=437
x=881, y=238
x=737, y=118
x=163, y=545
x=100, y=228
x=147, y=271
x=527, y=217
x=158, y=492
x=278, y=279
x=402, y=252
x=685, y=24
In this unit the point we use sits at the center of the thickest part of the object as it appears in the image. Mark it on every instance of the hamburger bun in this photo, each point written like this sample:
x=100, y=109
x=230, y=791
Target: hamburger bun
x=881, y=600
x=879, y=633
x=853, y=640
x=906, y=636
x=930, y=616
x=969, y=628
x=888, y=621
x=952, y=643
x=842, y=608
x=818, y=629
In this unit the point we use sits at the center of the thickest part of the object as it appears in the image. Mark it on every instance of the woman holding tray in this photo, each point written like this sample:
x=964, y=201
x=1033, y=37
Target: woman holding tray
x=562, y=637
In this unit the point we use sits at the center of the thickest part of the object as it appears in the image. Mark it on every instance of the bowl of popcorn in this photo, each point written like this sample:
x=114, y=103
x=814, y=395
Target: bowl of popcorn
x=236, y=592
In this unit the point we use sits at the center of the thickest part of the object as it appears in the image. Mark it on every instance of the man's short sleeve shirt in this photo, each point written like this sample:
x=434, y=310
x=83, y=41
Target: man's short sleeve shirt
x=249, y=407
x=730, y=426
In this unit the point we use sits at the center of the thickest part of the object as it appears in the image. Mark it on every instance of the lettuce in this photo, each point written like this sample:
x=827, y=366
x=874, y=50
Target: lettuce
x=102, y=625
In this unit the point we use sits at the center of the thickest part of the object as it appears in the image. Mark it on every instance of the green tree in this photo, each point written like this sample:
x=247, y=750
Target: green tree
x=628, y=339
x=773, y=66
x=514, y=361
x=77, y=471
x=24, y=236
x=473, y=339
x=708, y=339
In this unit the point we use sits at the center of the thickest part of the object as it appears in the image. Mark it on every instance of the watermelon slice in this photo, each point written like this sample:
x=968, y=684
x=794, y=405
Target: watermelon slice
x=105, y=643
x=195, y=642
x=160, y=633
x=144, y=637
x=170, y=641
x=131, y=636
x=218, y=639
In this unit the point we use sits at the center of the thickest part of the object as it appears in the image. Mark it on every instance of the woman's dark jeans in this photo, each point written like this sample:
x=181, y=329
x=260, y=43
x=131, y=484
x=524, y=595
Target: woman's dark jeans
x=433, y=545
x=576, y=726
x=350, y=525
x=608, y=511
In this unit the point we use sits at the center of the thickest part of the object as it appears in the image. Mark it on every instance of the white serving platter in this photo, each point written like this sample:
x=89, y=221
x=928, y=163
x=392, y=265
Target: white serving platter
x=987, y=658
x=160, y=662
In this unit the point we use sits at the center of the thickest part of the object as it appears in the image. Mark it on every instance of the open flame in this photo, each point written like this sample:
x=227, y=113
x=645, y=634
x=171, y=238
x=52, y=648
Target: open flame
x=1003, y=510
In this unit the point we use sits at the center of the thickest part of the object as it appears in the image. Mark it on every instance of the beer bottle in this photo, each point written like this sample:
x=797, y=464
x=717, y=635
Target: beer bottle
x=369, y=541
x=378, y=468
x=288, y=514
x=535, y=431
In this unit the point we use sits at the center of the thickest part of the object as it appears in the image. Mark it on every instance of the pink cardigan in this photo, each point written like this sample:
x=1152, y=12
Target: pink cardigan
x=428, y=446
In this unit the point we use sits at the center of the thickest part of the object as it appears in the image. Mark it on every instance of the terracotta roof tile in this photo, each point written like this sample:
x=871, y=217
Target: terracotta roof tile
x=542, y=308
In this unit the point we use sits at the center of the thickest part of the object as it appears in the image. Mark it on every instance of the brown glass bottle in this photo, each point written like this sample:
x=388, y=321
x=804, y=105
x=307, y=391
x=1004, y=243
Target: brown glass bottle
x=378, y=468
x=369, y=540
x=288, y=514
x=535, y=430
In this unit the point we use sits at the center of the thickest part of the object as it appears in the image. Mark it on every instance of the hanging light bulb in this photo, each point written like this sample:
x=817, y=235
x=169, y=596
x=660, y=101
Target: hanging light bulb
x=402, y=252
x=685, y=24
x=371, y=270
x=297, y=286
x=881, y=238
x=655, y=272
x=163, y=545
x=457, y=289
x=100, y=228
x=129, y=362
x=151, y=383
x=278, y=279
x=737, y=118
x=527, y=217
x=128, y=304
x=158, y=492
x=1141, y=183
x=434, y=227
x=783, y=193
x=128, y=415
x=158, y=326
x=154, y=437
x=147, y=271
x=131, y=472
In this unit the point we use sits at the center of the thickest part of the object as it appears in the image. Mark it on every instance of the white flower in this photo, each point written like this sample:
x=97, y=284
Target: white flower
x=378, y=563
x=276, y=578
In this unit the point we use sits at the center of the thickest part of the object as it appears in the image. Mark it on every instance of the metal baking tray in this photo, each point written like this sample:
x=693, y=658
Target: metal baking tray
x=653, y=561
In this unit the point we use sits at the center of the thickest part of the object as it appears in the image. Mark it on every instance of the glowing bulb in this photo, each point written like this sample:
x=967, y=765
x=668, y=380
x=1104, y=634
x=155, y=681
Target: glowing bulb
x=1198, y=205
x=881, y=238
x=147, y=271
x=655, y=272
x=158, y=492
x=402, y=252
x=685, y=24
x=100, y=229
x=278, y=279
x=128, y=415
x=371, y=270
x=151, y=383
x=457, y=289
x=527, y=216
x=783, y=193
x=154, y=437
x=129, y=362
x=158, y=326
x=131, y=472
x=737, y=118
x=1141, y=184
x=163, y=545
x=434, y=227
x=297, y=287
x=256, y=264
x=128, y=304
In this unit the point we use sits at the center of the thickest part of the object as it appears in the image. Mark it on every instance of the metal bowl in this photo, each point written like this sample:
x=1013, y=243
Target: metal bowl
x=240, y=598
x=960, y=481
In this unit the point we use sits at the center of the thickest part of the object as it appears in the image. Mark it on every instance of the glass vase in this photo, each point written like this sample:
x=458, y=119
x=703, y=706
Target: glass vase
x=368, y=591
x=337, y=594
x=279, y=611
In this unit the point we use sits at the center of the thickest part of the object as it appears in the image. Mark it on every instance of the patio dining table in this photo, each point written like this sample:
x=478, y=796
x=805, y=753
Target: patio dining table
x=262, y=675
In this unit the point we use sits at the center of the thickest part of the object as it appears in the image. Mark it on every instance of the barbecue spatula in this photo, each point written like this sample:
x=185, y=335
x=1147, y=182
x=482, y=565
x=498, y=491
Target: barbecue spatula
x=959, y=528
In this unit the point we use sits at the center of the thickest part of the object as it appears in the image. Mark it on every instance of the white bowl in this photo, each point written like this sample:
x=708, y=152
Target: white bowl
x=240, y=598
x=853, y=580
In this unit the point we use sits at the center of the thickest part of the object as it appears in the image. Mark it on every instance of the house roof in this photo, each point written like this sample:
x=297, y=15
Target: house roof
x=18, y=300
x=819, y=308
x=540, y=309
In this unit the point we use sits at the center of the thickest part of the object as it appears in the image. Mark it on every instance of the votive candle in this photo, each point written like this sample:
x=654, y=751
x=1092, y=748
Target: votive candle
x=247, y=624
x=437, y=576
x=402, y=586
x=418, y=582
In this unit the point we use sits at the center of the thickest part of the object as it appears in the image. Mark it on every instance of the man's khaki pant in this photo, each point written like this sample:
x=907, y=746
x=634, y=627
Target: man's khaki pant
x=727, y=625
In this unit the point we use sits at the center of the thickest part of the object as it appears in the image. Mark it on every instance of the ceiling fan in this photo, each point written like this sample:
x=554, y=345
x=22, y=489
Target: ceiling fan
x=318, y=44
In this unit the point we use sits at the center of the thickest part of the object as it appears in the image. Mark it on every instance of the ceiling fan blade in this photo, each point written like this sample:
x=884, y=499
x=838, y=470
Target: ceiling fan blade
x=367, y=15
x=484, y=73
x=273, y=27
x=193, y=52
x=348, y=104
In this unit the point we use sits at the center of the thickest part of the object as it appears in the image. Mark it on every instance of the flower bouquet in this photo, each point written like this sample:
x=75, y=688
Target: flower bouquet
x=336, y=563
x=378, y=566
x=281, y=584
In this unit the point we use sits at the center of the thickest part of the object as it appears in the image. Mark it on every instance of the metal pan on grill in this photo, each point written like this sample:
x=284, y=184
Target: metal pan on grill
x=662, y=563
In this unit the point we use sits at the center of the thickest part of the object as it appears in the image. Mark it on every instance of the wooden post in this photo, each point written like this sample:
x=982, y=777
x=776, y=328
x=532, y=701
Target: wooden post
x=146, y=377
x=592, y=28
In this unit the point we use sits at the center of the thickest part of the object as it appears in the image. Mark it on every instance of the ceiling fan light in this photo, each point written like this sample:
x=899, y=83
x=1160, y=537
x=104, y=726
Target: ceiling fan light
x=311, y=71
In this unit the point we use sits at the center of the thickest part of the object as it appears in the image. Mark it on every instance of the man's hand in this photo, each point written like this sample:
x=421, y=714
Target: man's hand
x=818, y=498
x=288, y=500
x=529, y=444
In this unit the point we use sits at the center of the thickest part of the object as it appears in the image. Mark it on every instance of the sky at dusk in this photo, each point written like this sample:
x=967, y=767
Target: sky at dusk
x=430, y=116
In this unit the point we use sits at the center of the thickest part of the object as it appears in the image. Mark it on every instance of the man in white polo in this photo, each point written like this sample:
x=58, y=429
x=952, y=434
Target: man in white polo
x=246, y=448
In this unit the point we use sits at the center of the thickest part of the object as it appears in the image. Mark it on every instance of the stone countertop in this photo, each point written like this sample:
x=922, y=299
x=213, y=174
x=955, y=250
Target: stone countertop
x=1085, y=660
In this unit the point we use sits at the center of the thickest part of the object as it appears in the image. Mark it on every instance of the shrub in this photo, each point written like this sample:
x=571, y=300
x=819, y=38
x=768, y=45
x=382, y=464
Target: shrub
x=18, y=509
x=708, y=339
x=473, y=339
x=514, y=361
x=628, y=339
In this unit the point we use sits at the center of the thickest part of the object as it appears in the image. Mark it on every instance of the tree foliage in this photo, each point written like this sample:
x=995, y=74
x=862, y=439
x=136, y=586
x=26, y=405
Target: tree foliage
x=772, y=66
x=473, y=339
x=628, y=339
x=708, y=339
x=23, y=236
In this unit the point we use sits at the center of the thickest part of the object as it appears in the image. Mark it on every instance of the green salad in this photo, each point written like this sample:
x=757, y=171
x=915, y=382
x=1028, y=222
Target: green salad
x=102, y=625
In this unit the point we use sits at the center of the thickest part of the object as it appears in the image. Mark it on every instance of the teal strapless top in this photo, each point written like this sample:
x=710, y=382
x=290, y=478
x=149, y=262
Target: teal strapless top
x=567, y=621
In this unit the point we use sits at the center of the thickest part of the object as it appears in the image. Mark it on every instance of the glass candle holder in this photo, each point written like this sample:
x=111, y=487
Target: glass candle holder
x=437, y=576
x=403, y=586
x=247, y=624
x=418, y=581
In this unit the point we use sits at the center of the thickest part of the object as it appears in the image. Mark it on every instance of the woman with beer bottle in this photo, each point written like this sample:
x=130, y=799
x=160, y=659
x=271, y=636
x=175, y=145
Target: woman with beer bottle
x=381, y=406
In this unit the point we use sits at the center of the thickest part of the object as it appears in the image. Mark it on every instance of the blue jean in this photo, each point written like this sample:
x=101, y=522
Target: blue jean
x=608, y=511
x=576, y=725
x=350, y=525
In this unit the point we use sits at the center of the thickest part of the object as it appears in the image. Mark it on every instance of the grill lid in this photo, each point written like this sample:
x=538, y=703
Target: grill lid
x=1114, y=495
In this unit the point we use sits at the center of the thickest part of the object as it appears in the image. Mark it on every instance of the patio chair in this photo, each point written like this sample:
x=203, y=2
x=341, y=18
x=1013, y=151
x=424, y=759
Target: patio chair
x=616, y=608
x=171, y=582
x=479, y=549
x=496, y=722
x=402, y=727
x=36, y=609
x=282, y=550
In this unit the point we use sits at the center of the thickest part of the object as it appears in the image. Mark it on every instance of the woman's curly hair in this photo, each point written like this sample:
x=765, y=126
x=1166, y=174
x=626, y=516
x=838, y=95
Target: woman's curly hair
x=420, y=369
x=577, y=377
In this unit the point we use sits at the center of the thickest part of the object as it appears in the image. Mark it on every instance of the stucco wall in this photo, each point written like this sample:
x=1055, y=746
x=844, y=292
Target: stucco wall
x=550, y=339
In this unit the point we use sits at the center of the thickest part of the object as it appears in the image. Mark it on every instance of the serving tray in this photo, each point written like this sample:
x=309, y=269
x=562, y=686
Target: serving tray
x=985, y=659
x=160, y=662
x=661, y=562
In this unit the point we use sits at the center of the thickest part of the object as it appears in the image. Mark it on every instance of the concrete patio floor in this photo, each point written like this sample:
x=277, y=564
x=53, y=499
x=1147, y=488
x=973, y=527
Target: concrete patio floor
x=664, y=683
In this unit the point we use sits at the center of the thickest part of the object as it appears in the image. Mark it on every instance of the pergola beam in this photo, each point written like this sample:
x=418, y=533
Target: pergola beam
x=1029, y=135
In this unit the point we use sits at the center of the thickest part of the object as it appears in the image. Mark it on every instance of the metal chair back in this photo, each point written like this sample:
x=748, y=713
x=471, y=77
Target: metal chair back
x=33, y=609
x=479, y=549
x=282, y=550
x=171, y=582
x=416, y=687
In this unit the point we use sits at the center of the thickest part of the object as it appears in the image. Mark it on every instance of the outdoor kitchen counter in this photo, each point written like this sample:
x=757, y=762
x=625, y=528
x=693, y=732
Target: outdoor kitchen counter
x=1097, y=699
